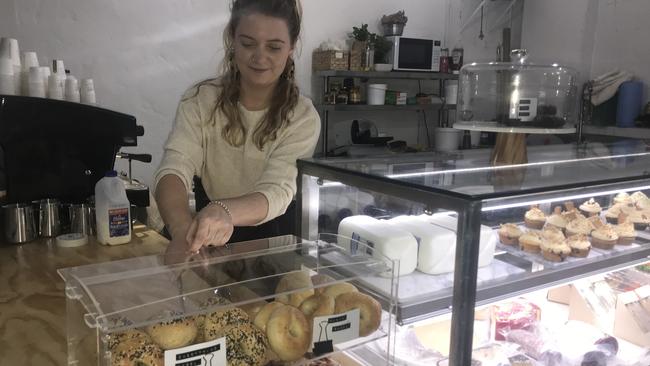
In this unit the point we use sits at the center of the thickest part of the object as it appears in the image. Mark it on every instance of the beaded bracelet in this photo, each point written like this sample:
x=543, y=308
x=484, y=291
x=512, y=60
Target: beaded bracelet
x=222, y=205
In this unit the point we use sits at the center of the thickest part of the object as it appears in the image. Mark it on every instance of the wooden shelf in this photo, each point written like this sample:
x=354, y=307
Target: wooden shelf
x=421, y=75
x=385, y=107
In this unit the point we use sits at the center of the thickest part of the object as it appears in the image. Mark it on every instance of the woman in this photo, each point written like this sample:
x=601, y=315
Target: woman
x=241, y=133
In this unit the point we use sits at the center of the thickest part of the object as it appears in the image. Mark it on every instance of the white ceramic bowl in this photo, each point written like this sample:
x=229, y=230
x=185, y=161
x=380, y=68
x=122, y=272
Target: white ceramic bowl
x=383, y=67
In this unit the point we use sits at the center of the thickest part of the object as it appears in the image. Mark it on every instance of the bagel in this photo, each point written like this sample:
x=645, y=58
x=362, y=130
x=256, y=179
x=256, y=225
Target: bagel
x=131, y=353
x=288, y=333
x=294, y=281
x=337, y=289
x=129, y=336
x=217, y=322
x=317, y=305
x=175, y=333
x=200, y=319
x=319, y=280
x=245, y=345
x=264, y=314
x=369, y=310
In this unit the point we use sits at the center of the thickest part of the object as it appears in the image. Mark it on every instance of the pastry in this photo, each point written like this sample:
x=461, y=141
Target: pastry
x=611, y=215
x=643, y=204
x=555, y=251
x=572, y=215
x=579, y=244
x=317, y=305
x=530, y=242
x=579, y=226
x=246, y=345
x=175, y=333
x=217, y=322
x=369, y=310
x=552, y=234
x=299, y=280
x=625, y=230
x=509, y=234
x=590, y=208
x=534, y=218
x=638, y=196
x=622, y=198
x=517, y=314
x=557, y=220
x=289, y=333
x=604, y=237
x=639, y=218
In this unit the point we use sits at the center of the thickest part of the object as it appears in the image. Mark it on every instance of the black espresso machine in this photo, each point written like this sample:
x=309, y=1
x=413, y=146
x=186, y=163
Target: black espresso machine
x=58, y=149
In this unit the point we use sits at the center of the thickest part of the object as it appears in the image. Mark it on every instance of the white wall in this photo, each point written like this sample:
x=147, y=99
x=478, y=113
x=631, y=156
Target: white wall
x=621, y=39
x=594, y=36
x=143, y=54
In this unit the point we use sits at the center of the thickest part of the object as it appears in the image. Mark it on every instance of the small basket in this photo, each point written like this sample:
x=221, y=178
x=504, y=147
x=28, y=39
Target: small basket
x=329, y=60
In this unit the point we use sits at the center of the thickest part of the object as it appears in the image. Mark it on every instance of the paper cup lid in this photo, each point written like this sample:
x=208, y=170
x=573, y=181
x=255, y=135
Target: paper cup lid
x=71, y=240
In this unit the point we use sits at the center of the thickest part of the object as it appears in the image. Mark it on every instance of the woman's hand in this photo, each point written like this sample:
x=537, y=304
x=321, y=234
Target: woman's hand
x=212, y=226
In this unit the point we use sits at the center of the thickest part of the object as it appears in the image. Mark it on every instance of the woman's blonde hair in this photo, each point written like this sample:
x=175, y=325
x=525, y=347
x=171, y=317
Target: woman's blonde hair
x=285, y=96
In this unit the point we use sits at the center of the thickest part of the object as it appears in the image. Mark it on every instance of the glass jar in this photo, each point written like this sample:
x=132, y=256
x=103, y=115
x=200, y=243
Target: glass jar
x=444, y=60
x=368, y=59
x=518, y=93
x=456, y=59
x=355, y=95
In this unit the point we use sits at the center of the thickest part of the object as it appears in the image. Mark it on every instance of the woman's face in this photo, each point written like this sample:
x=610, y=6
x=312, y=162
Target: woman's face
x=262, y=46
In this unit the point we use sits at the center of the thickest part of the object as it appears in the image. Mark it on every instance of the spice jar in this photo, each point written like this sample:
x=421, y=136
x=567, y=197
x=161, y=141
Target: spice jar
x=456, y=59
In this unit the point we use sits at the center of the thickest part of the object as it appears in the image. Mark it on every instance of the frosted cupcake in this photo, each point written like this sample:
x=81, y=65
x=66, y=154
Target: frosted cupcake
x=530, y=242
x=552, y=234
x=535, y=218
x=623, y=198
x=638, y=196
x=579, y=244
x=556, y=220
x=509, y=234
x=604, y=236
x=643, y=204
x=590, y=208
x=625, y=230
x=611, y=215
x=639, y=218
x=555, y=251
x=579, y=226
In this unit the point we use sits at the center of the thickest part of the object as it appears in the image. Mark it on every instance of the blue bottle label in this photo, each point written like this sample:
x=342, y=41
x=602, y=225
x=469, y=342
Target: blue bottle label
x=118, y=222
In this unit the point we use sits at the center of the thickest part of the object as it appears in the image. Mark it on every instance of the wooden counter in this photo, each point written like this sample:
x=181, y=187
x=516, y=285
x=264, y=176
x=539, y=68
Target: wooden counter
x=32, y=301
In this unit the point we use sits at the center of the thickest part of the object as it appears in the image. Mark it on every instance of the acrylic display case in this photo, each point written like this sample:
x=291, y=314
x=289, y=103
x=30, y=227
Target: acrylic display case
x=345, y=196
x=517, y=94
x=181, y=310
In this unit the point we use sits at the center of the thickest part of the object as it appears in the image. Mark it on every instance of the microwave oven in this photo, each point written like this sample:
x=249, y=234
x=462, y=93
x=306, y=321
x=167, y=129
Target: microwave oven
x=414, y=54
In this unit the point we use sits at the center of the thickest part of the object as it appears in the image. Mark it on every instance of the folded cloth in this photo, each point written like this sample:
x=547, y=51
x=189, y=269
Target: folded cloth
x=605, y=86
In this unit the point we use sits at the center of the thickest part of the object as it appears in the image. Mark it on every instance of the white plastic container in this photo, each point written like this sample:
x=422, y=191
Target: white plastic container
x=451, y=92
x=447, y=139
x=439, y=255
x=377, y=94
x=112, y=211
x=387, y=240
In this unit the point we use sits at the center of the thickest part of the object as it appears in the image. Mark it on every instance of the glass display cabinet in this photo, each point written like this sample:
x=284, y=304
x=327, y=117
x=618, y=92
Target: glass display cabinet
x=466, y=220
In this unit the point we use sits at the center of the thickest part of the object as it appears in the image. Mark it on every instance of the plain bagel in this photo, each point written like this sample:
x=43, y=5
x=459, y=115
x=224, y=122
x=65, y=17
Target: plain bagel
x=317, y=305
x=288, y=333
x=337, y=289
x=264, y=314
x=294, y=281
x=369, y=310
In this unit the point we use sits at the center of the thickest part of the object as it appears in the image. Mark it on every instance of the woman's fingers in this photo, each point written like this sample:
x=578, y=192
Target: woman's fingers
x=191, y=232
x=202, y=236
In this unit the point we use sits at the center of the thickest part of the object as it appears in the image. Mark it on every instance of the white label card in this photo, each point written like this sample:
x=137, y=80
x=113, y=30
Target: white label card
x=212, y=353
x=334, y=329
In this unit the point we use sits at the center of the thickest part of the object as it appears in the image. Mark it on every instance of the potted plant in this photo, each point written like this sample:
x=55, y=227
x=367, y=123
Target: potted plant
x=360, y=41
x=382, y=48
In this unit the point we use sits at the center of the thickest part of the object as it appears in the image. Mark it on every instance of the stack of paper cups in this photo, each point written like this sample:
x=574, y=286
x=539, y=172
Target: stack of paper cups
x=6, y=77
x=9, y=48
x=45, y=73
x=88, y=92
x=55, y=87
x=35, y=85
x=72, y=89
x=29, y=60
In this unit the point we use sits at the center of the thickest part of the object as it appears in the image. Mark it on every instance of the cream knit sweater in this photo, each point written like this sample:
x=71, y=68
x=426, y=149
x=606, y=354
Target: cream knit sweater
x=195, y=147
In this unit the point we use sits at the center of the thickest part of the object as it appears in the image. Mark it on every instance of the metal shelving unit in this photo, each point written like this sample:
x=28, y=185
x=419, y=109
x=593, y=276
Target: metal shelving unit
x=323, y=78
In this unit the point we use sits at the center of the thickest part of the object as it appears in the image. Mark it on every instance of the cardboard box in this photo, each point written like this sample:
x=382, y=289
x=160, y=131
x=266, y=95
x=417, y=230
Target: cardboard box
x=632, y=320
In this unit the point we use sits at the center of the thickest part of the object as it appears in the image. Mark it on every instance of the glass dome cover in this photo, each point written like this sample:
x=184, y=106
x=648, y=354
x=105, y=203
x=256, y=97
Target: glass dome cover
x=518, y=94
